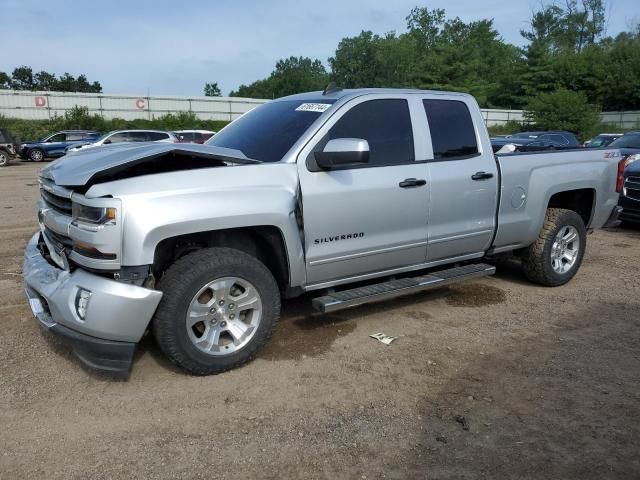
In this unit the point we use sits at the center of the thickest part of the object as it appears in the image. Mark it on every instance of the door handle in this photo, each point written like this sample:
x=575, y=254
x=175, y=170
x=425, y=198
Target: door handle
x=481, y=176
x=412, y=182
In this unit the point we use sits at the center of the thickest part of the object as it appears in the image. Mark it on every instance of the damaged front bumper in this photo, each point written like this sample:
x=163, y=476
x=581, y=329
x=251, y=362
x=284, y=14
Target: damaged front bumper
x=101, y=319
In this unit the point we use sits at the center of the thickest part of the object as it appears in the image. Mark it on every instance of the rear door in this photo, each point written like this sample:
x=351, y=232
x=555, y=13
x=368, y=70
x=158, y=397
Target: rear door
x=463, y=179
x=360, y=220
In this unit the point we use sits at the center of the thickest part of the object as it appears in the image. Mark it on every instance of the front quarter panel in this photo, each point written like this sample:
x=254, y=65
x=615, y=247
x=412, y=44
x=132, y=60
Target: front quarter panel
x=157, y=207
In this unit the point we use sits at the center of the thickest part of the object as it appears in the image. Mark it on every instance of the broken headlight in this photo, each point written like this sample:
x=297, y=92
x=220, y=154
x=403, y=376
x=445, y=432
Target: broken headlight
x=93, y=215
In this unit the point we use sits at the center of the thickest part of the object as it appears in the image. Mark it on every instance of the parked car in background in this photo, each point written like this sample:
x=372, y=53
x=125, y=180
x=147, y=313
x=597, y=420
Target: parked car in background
x=8, y=147
x=122, y=136
x=534, y=141
x=193, y=136
x=56, y=145
x=602, y=140
x=629, y=145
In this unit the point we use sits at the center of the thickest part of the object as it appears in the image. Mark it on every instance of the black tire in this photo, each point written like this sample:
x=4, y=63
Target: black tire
x=536, y=259
x=183, y=280
x=4, y=158
x=36, y=155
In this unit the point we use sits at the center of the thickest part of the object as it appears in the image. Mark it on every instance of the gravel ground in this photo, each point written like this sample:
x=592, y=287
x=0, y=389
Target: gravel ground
x=492, y=379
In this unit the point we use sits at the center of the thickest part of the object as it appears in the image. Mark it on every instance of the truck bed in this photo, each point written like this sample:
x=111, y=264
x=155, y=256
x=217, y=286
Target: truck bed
x=530, y=179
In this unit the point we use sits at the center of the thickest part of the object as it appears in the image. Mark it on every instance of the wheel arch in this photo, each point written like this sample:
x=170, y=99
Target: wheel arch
x=581, y=200
x=264, y=242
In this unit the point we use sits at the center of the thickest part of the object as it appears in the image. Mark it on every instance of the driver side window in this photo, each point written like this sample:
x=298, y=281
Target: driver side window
x=385, y=124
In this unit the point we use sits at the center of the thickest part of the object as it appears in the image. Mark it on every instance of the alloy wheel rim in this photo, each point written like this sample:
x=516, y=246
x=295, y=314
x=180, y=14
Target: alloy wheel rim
x=565, y=249
x=223, y=316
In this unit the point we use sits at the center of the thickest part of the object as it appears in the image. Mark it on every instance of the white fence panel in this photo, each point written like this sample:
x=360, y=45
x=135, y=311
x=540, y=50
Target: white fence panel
x=42, y=105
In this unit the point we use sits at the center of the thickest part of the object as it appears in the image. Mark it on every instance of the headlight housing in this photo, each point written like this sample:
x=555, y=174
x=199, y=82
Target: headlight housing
x=93, y=215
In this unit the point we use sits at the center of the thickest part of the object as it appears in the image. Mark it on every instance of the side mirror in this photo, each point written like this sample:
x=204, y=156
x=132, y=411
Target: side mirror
x=342, y=152
x=106, y=142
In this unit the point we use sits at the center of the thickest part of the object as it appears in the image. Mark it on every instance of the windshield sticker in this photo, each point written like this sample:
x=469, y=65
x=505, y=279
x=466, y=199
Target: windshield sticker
x=313, y=107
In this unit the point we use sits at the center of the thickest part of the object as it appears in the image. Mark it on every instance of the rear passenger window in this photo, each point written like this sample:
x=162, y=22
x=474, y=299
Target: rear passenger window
x=452, y=132
x=385, y=124
x=155, y=136
x=138, y=137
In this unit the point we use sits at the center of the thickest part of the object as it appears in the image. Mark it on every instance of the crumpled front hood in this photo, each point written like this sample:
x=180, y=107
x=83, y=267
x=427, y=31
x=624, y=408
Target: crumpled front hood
x=80, y=168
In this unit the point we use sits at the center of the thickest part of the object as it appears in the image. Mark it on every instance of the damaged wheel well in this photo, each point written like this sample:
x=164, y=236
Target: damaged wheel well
x=265, y=243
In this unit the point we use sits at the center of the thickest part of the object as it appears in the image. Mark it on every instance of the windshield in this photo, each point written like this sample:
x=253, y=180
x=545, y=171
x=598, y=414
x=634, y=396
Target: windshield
x=267, y=132
x=627, y=141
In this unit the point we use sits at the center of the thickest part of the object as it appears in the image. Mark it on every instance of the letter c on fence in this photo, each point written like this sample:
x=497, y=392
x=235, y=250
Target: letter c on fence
x=140, y=104
x=41, y=102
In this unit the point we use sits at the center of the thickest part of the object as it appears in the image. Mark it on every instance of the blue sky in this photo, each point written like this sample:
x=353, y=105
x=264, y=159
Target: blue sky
x=173, y=47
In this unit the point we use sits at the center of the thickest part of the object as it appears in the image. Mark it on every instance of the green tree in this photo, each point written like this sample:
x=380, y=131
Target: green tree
x=355, y=63
x=563, y=110
x=45, y=81
x=67, y=83
x=291, y=75
x=5, y=81
x=212, y=90
x=22, y=78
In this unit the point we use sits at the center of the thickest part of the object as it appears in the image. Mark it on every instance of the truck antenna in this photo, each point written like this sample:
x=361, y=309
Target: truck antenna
x=331, y=88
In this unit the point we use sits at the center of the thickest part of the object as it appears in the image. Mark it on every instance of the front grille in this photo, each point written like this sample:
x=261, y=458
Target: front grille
x=59, y=204
x=55, y=197
x=632, y=187
x=60, y=241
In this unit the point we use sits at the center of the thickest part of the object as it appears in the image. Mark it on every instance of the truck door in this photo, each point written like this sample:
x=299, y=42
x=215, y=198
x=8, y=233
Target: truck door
x=372, y=217
x=463, y=180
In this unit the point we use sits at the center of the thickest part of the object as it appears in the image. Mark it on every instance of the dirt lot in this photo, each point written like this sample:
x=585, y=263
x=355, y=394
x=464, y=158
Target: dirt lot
x=547, y=381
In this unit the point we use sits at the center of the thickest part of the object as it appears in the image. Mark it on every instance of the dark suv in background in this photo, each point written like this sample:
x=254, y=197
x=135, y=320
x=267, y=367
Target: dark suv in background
x=8, y=147
x=55, y=145
x=629, y=146
x=534, y=141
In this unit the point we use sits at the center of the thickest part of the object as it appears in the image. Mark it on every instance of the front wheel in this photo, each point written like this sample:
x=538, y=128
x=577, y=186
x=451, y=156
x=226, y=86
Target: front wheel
x=4, y=158
x=36, y=155
x=219, y=308
x=556, y=255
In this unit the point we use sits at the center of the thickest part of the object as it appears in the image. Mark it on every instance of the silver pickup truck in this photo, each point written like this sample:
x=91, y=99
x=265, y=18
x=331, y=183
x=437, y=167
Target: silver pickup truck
x=352, y=195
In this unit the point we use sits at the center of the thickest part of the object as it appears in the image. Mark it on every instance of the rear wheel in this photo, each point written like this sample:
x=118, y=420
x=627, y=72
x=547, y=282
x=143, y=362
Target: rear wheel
x=219, y=307
x=36, y=155
x=556, y=255
x=4, y=158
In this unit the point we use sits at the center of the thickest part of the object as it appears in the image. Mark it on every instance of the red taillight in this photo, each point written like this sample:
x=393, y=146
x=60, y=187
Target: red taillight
x=620, y=180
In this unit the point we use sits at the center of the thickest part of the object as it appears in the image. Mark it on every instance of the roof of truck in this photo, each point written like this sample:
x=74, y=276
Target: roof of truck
x=354, y=92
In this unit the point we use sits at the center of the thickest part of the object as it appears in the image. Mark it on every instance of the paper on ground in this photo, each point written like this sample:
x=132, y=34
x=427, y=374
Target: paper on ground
x=386, y=339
